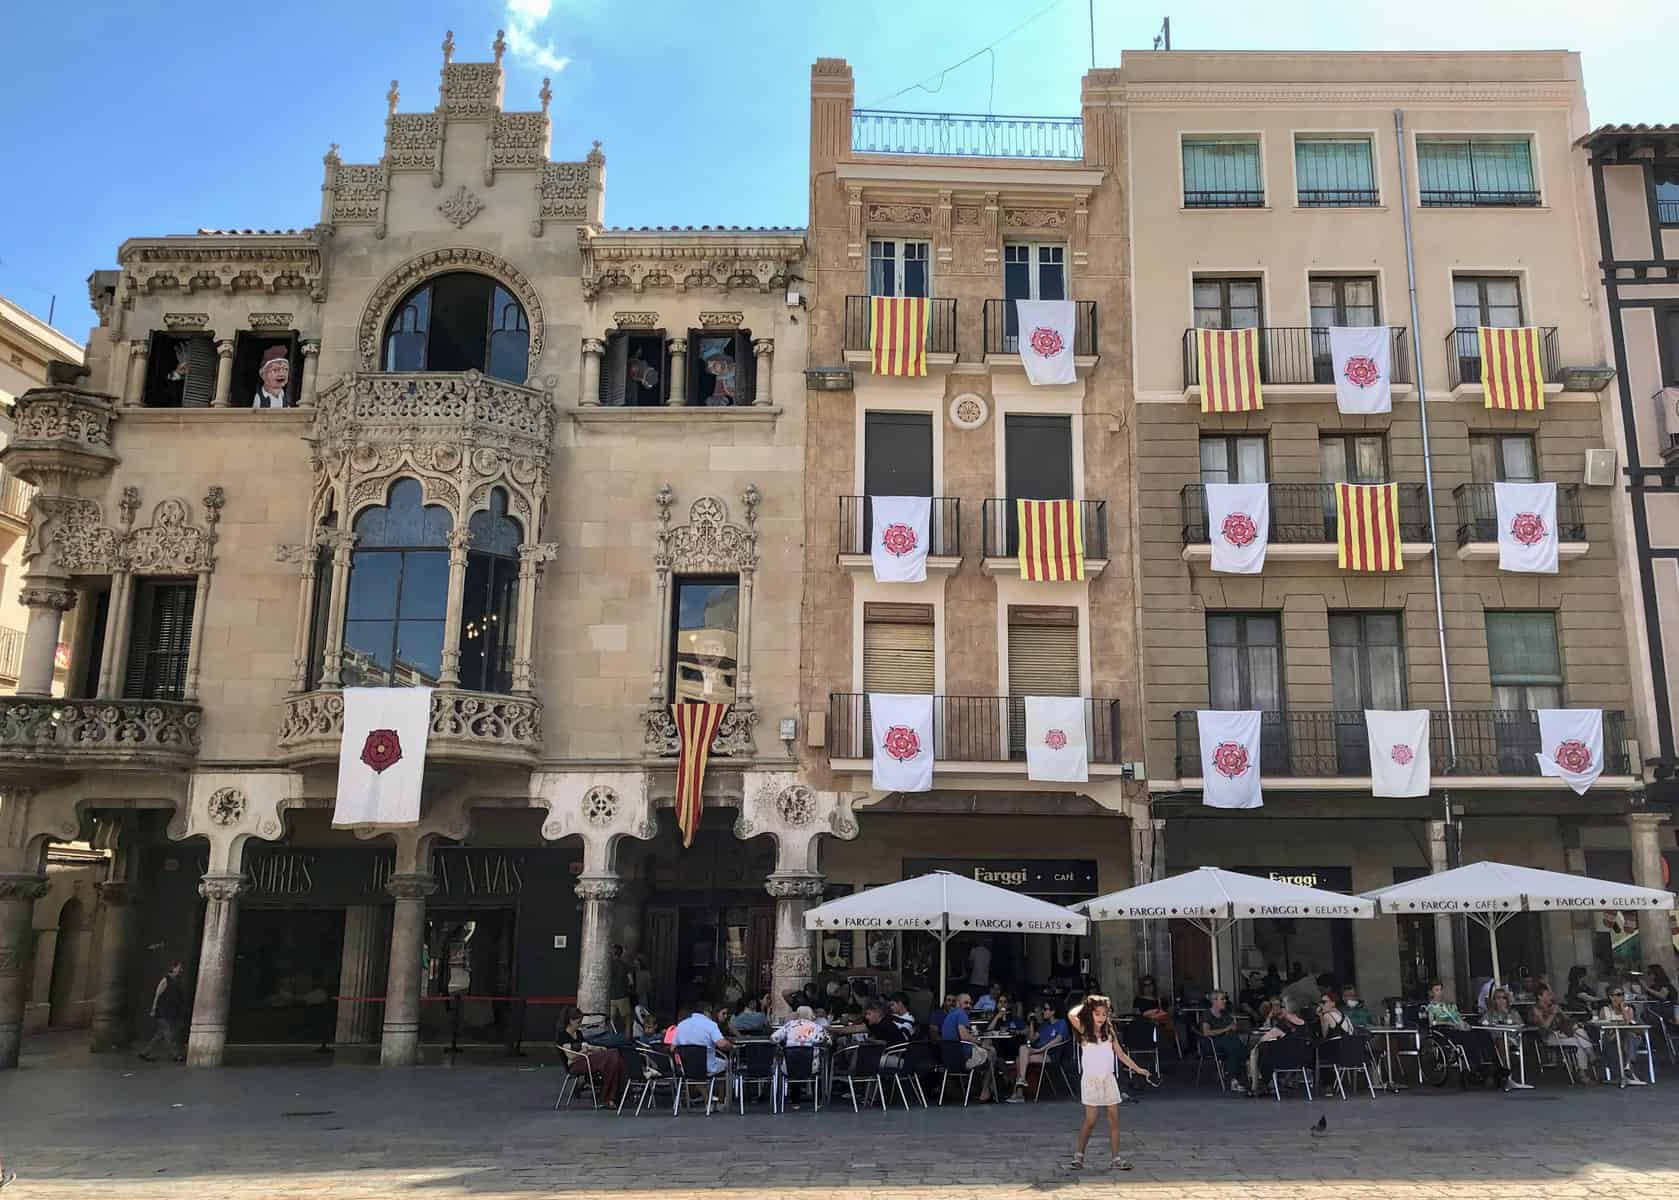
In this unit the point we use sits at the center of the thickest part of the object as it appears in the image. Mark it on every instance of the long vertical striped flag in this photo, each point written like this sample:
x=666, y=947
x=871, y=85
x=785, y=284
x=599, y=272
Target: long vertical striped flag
x=1051, y=540
x=1229, y=364
x=898, y=334
x=1368, y=516
x=1512, y=371
x=696, y=725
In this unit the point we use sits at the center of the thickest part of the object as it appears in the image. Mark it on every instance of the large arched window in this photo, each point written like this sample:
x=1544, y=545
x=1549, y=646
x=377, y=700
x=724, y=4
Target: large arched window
x=489, y=608
x=459, y=322
x=319, y=613
x=399, y=592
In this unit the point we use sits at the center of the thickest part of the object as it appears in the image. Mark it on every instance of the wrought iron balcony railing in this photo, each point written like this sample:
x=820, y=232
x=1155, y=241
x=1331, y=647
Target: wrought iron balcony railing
x=1463, y=355
x=1303, y=514
x=1002, y=328
x=1477, y=513
x=1667, y=212
x=1224, y=198
x=1298, y=354
x=1333, y=743
x=1337, y=197
x=1477, y=198
x=1002, y=532
x=941, y=324
x=967, y=135
x=970, y=728
x=465, y=726
x=856, y=526
x=50, y=731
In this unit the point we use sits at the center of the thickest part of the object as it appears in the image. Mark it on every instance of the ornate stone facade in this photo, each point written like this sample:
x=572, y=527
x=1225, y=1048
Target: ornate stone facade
x=464, y=725
x=684, y=260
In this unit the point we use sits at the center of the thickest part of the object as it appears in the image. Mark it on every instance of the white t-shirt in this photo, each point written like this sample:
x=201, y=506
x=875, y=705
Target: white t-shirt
x=979, y=966
x=697, y=1029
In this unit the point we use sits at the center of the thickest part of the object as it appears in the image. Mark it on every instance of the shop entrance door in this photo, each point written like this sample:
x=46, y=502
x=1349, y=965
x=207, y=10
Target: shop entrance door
x=285, y=975
x=660, y=940
x=468, y=975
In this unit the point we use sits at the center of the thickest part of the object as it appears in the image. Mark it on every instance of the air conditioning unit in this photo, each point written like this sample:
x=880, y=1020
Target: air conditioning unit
x=1600, y=468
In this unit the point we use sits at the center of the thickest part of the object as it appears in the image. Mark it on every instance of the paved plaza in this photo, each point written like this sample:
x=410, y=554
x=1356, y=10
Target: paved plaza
x=75, y=1125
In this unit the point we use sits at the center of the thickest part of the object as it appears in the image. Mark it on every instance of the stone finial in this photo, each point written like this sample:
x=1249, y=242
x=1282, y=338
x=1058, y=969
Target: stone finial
x=448, y=47
x=391, y=97
x=545, y=95
x=330, y=158
x=595, y=156
x=129, y=504
x=500, y=46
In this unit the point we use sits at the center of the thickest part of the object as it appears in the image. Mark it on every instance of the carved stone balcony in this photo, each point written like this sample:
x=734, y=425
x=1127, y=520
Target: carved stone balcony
x=60, y=433
x=465, y=727
x=377, y=408
x=47, y=732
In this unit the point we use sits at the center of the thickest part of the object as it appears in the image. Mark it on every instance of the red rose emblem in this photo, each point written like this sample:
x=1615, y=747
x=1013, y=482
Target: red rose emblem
x=1230, y=759
x=1528, y=528
x=1573, y=755
x=1402, y=754
x=382, y=749
x=1046, y=342
x=901, y=743
x=1056, y=739
x=1361, y=370
x=1239, y=529
x=898, y=539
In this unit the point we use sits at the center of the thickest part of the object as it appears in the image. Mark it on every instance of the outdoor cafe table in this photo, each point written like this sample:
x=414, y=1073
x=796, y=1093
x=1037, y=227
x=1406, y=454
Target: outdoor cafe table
x=1390, y=1034
x=1617, y=1028
x=1515, y=1038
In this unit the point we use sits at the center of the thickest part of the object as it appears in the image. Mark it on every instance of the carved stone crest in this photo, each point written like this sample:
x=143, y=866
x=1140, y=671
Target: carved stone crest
x=461, y=207
x=226, y=806
x=900, y=214
x=600, y=806
x=796, y=806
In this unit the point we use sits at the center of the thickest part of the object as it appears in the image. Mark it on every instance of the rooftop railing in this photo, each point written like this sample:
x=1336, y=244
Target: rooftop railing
x=968, y=135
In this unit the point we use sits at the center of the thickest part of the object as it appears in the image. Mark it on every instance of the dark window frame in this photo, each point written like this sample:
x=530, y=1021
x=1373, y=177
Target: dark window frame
x=248, y=348
x=1361, y=646
x=614, y=383
x=745, y=368
x=1667, y=211
x=1232, y=454
x=1525, y=687
x=1349, y=439
x=488, y=665
x=678, y=582
x=1497, y=438
x=1339, y=280
x=159, y=390
x=1223, y=282
x=1475, y=196
x=1197, y=198
x=366, y=552
x=151, y=672
x=1481, y=281
x=1244, y=665
x=499, y=301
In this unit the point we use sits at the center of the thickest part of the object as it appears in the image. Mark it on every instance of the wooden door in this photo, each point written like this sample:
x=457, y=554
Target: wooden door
x=659, y=937
x=760, y=948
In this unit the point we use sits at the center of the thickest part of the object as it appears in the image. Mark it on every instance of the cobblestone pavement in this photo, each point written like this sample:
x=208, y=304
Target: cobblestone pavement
x=74, y=1126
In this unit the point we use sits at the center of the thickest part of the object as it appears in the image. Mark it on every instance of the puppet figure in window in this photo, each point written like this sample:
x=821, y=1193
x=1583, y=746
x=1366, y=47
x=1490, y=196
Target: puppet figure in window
x=275, y=376
x=718, y=357
x=641, y=374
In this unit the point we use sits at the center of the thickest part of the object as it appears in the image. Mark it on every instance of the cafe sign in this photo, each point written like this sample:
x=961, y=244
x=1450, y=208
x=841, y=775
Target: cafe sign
x=1030, y=876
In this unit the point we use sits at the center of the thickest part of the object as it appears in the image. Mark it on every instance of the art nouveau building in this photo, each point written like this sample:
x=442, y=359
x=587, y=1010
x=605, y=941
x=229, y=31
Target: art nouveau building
x=459, y=432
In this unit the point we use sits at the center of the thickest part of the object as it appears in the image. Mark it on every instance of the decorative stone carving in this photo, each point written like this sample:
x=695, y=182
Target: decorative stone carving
x=171, y=546
x=71, y=533
x=600, y=806
x=413, y=141
x=722, y=320
x=969, y=410
x=227, y=261
x=186, y=321
x=733, y=740
x=394, y=286
x=635, y=320
x=807, y=887
x=796, y=806
x=597, y=889
x=73, y=536
x=48, y=730
x=471, y=89
x=565, y=189
x=464, y=726
x=461, y=207
x=968, y=215
x=227, y=806
x=410, y=887
x=1035, y=218
x=58, y=432
x=708, y=544
x=518, y=140
x=271, y=320
x=223, y=887
x=358, y=193
x=900, y=214
x=62, y=599
x=686, y=259
x=23, y=887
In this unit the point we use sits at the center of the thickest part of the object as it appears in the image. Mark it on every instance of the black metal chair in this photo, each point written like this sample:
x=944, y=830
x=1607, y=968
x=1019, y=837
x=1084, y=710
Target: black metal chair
x=1348, y=1054
x=754, y=1062
x=799, y=1066
x=953, y=1061
x=693, y=1070
x=1206, y=1052
x=1287, y=1056
x=579, y=1076
x=1141, y=1039
x=907, y=1060
x=861, y=1064
x=646, y=1071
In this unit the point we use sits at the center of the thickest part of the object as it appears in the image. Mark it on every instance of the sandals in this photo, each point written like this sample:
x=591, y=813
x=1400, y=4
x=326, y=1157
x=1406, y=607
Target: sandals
x=1077, y=1163
x=1120, y=1163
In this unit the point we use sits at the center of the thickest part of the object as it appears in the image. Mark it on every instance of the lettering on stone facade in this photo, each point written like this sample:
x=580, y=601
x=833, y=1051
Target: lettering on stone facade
x=285, y=874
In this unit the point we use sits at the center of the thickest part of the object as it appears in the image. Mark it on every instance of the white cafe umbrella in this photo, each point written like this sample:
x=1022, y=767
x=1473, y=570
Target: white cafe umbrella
x=1491, y=893
x=944, y=904
x=1212, y=899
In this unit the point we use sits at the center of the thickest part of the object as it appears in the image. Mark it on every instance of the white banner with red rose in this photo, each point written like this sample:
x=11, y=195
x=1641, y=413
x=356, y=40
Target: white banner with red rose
x=1046, y=340
x=898, y=541
x=1056, y=748
x=382, y=759
x=1398, y=752
x=1571, y=746
x=1229, y=759
x=1527, y=526
x=903, y=742
x=1238, y=526
x=1363, y=359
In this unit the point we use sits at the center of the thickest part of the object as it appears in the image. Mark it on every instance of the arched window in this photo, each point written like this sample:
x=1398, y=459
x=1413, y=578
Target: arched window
x=489, y=608
x=459, y=322
x=319, y=612
x=399, y=592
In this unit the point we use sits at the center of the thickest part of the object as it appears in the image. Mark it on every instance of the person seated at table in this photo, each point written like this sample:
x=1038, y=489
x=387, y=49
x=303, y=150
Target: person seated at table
x=902, y=1018
x=1659, y=995
x=724, y=1016
x=959, y=1027
x=1332, y=1022
x=801, y=1029
x=1251, y=995
x=988, y=1002
x=1218, y=1026
x=1477, y=1044
x=1277, y=1023
x=598, y=1060
x=1047, y=1031
x=1302, y=994
x=1500, y=1012
x=1149, y=1004
x=751, y=1020
x=1580, y=991
x=1614, y=1013
x=1632, y=983
x=1360, y=1016
x=935, y=1020
x=1559, y=1030
x=652, y=1029
x=699, y=1028
x=1527, y=986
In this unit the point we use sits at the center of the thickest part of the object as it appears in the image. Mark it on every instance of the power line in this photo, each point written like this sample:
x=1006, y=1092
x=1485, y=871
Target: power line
x=986, y=49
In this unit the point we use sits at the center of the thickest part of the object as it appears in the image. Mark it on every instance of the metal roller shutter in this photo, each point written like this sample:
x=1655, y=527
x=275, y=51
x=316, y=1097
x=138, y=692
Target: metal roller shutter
x=898, y=648
x=1043, y=651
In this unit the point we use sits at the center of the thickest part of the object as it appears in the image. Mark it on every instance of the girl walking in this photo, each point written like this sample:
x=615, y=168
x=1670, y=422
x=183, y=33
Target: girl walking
x=1099, y=1049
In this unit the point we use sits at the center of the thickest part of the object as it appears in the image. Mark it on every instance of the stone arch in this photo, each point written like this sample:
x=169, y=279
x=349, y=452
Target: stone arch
x=72, y=950
x=382, y=301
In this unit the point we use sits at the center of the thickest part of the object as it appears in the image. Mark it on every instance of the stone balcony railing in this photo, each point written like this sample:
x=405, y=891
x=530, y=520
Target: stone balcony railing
x=45, y=731
x=465, y=727
x=460, y=407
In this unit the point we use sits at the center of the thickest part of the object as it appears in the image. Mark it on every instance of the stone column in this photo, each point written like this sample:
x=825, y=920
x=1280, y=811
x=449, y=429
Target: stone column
x=332, y=666
x=678, y=372
x=599, y=892
x=134, y=390
x=358, y=973
x=400, y=1043
x=47, y=601
x=113, y=1025
x=214, y=984
x=763, y=350
x=1647, y=831
x=1445, y=958
x=307, y=393
x=18, y=894
x=224, y=373
x=195, y=644
x=593, y=350
x=451, y=674
x=116, y=622
x=792, y=967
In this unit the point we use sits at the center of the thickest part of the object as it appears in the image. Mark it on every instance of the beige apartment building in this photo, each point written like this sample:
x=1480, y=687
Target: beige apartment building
x=458, y=432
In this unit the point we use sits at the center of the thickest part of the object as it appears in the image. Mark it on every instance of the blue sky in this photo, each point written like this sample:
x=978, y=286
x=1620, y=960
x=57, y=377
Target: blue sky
x=144, y=117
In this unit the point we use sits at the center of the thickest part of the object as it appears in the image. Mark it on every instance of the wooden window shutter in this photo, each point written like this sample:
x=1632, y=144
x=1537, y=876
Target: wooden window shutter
x=1043, y=651
x=898, y=648
x=160, y=640
x=612, y=370
x=746, y=369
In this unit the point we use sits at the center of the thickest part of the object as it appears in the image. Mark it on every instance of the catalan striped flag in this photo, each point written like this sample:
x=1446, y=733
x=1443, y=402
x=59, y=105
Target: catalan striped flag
x=898, y=334
x=1051, y=540
x=1368, y=517
x=696, y=726
x=1512, y=371
x=1229, y=364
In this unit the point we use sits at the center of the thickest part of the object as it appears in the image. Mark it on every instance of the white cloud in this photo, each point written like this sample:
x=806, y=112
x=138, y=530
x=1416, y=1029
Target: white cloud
x=524, y=18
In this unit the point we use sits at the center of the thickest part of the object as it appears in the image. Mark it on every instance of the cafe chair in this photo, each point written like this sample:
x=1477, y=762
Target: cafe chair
x=907, y=1060
x=799, y=1065
x=1059, y=1060
x=693, y=1070
x=579, y=1075
x=1206, y=1053
x=646, y=1070
x=861, y=1064
x=1346, y=1055
x=753, y=1062
x=1141, y=1038
x=1287, y=1056
x=953, y=1061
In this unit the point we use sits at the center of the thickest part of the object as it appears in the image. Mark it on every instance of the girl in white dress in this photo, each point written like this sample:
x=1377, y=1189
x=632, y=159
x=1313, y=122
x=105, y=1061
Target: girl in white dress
x=1099, y=1048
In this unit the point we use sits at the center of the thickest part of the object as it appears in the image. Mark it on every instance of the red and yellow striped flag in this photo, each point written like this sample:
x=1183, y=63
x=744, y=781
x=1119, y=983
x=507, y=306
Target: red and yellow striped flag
x=1512, y=371
x=1368, y=519
x=1229, y=364
x=1051, y=540
x=898, y=334
x=696, y=726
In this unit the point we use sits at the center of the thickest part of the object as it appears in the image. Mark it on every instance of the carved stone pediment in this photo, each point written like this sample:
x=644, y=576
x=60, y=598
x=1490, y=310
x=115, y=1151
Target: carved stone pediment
x=71, y=535
x=708, y=544
x=227, y=261
x=682, y=260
